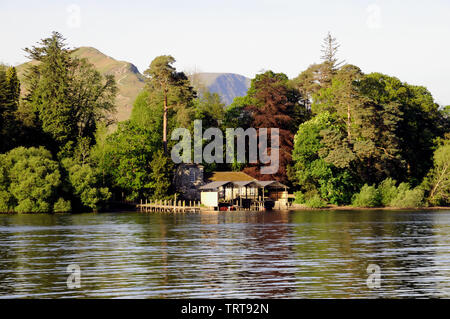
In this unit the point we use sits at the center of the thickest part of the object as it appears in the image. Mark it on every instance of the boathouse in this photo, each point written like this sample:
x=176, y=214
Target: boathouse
x=242, y=191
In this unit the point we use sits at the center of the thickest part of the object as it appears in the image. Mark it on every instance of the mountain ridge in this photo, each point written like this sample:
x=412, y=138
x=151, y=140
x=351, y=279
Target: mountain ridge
x=130, y=81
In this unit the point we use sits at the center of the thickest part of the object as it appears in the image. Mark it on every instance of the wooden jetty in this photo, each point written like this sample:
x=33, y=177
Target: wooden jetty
x=170, y=206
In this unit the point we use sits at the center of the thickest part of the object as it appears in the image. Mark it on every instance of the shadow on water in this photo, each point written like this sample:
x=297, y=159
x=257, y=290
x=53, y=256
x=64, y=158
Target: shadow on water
x=304, y=254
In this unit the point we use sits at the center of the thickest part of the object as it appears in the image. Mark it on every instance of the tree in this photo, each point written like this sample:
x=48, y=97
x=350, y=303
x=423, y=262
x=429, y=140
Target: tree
x=210, y=109
x=366, y=139
x=277, y=106
x=9, y=101
x=311, y=172
x=125, y=159
x=437, y=182
x=330, y=48
x=29, y=180
x=310, y=81
x=48, y=87
x=171, y=89
x=236, y=115
x=319, y=76
x=68, y=95
x=161, y=176
x=85, y=184
x=412, y=115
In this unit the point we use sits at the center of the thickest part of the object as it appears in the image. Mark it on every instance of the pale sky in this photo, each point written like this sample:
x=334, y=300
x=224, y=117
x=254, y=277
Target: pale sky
x=409, y=39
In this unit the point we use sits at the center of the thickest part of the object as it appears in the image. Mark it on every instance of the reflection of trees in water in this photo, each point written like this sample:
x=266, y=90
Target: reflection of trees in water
x=243, y=254
x=226, y=254
x=410, y=267
x=31, y=255
x=335, y=249
x=268, y=268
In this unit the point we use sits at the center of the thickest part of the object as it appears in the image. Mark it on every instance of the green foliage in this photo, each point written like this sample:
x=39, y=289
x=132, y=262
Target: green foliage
x=9, y=101
x=6, y=202
x=170, y=92
x=125, y=157
x=387, y=191
x=236, y=115
x=415, y=118
x=368, y=197
x=367, y=128
x=299, y=198
x=311, y=171
x=161, y=176
x=210, y=109
x=68, y=95
x=407, y=198
x=30, y=179
x=86, y=184
x=437, y=182
x=316, y=202
x=62, y=206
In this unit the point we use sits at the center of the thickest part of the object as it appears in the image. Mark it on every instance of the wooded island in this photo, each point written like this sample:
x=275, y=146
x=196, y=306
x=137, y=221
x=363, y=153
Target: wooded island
x=346, y=138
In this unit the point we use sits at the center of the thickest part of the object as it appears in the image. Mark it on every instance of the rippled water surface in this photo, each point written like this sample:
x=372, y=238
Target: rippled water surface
x=303, y=254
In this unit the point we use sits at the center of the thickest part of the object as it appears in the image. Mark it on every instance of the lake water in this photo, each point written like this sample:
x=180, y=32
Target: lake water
x=304, y=254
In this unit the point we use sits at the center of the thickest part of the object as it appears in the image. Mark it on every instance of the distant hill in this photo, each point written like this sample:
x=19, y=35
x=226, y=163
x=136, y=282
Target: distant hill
x=130, y=82
x=227, y=85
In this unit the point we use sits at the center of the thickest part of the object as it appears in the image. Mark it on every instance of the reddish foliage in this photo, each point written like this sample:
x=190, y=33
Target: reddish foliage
x=275, y=112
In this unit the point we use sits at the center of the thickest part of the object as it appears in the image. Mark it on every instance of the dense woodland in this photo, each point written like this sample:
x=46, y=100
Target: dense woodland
x=346, y=138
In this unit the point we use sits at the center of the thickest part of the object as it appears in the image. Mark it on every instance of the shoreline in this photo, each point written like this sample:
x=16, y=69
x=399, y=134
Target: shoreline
x=289, y=209
x=350, y=208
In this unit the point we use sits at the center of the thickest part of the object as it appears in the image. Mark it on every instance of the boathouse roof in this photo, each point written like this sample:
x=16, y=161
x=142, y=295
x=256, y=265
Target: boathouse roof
x=230, y=176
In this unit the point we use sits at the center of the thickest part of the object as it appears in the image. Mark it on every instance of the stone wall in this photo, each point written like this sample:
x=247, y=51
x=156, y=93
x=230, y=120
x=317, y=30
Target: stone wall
x=188, y=179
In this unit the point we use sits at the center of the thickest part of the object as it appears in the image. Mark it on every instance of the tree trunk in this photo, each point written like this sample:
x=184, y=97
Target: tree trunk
x=165, y=124
x=349, y=118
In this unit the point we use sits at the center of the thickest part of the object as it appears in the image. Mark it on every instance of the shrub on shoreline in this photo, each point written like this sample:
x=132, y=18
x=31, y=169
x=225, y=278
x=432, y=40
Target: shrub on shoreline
x=389, y=195
x=29, y=180
x=387, y=191
x=299, y=198
x=407, y=198
x=316, y=202
x=62, y=206
x=368, y=197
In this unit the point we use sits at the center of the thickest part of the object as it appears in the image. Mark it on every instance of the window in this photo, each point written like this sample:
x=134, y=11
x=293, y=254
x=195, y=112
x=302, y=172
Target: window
x=192, y=176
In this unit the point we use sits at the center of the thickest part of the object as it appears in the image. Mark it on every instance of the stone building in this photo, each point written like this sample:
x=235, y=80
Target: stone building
x=188, y=179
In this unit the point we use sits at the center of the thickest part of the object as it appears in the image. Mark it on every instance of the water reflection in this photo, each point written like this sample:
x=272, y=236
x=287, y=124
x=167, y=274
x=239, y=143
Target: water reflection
x=312, y=254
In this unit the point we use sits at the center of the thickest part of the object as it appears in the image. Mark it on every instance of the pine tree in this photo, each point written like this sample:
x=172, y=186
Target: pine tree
x=161, y=176
x=9, y=101
x=66, y=96
x=51, y=91
x=171, y=89
x=331, y=64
